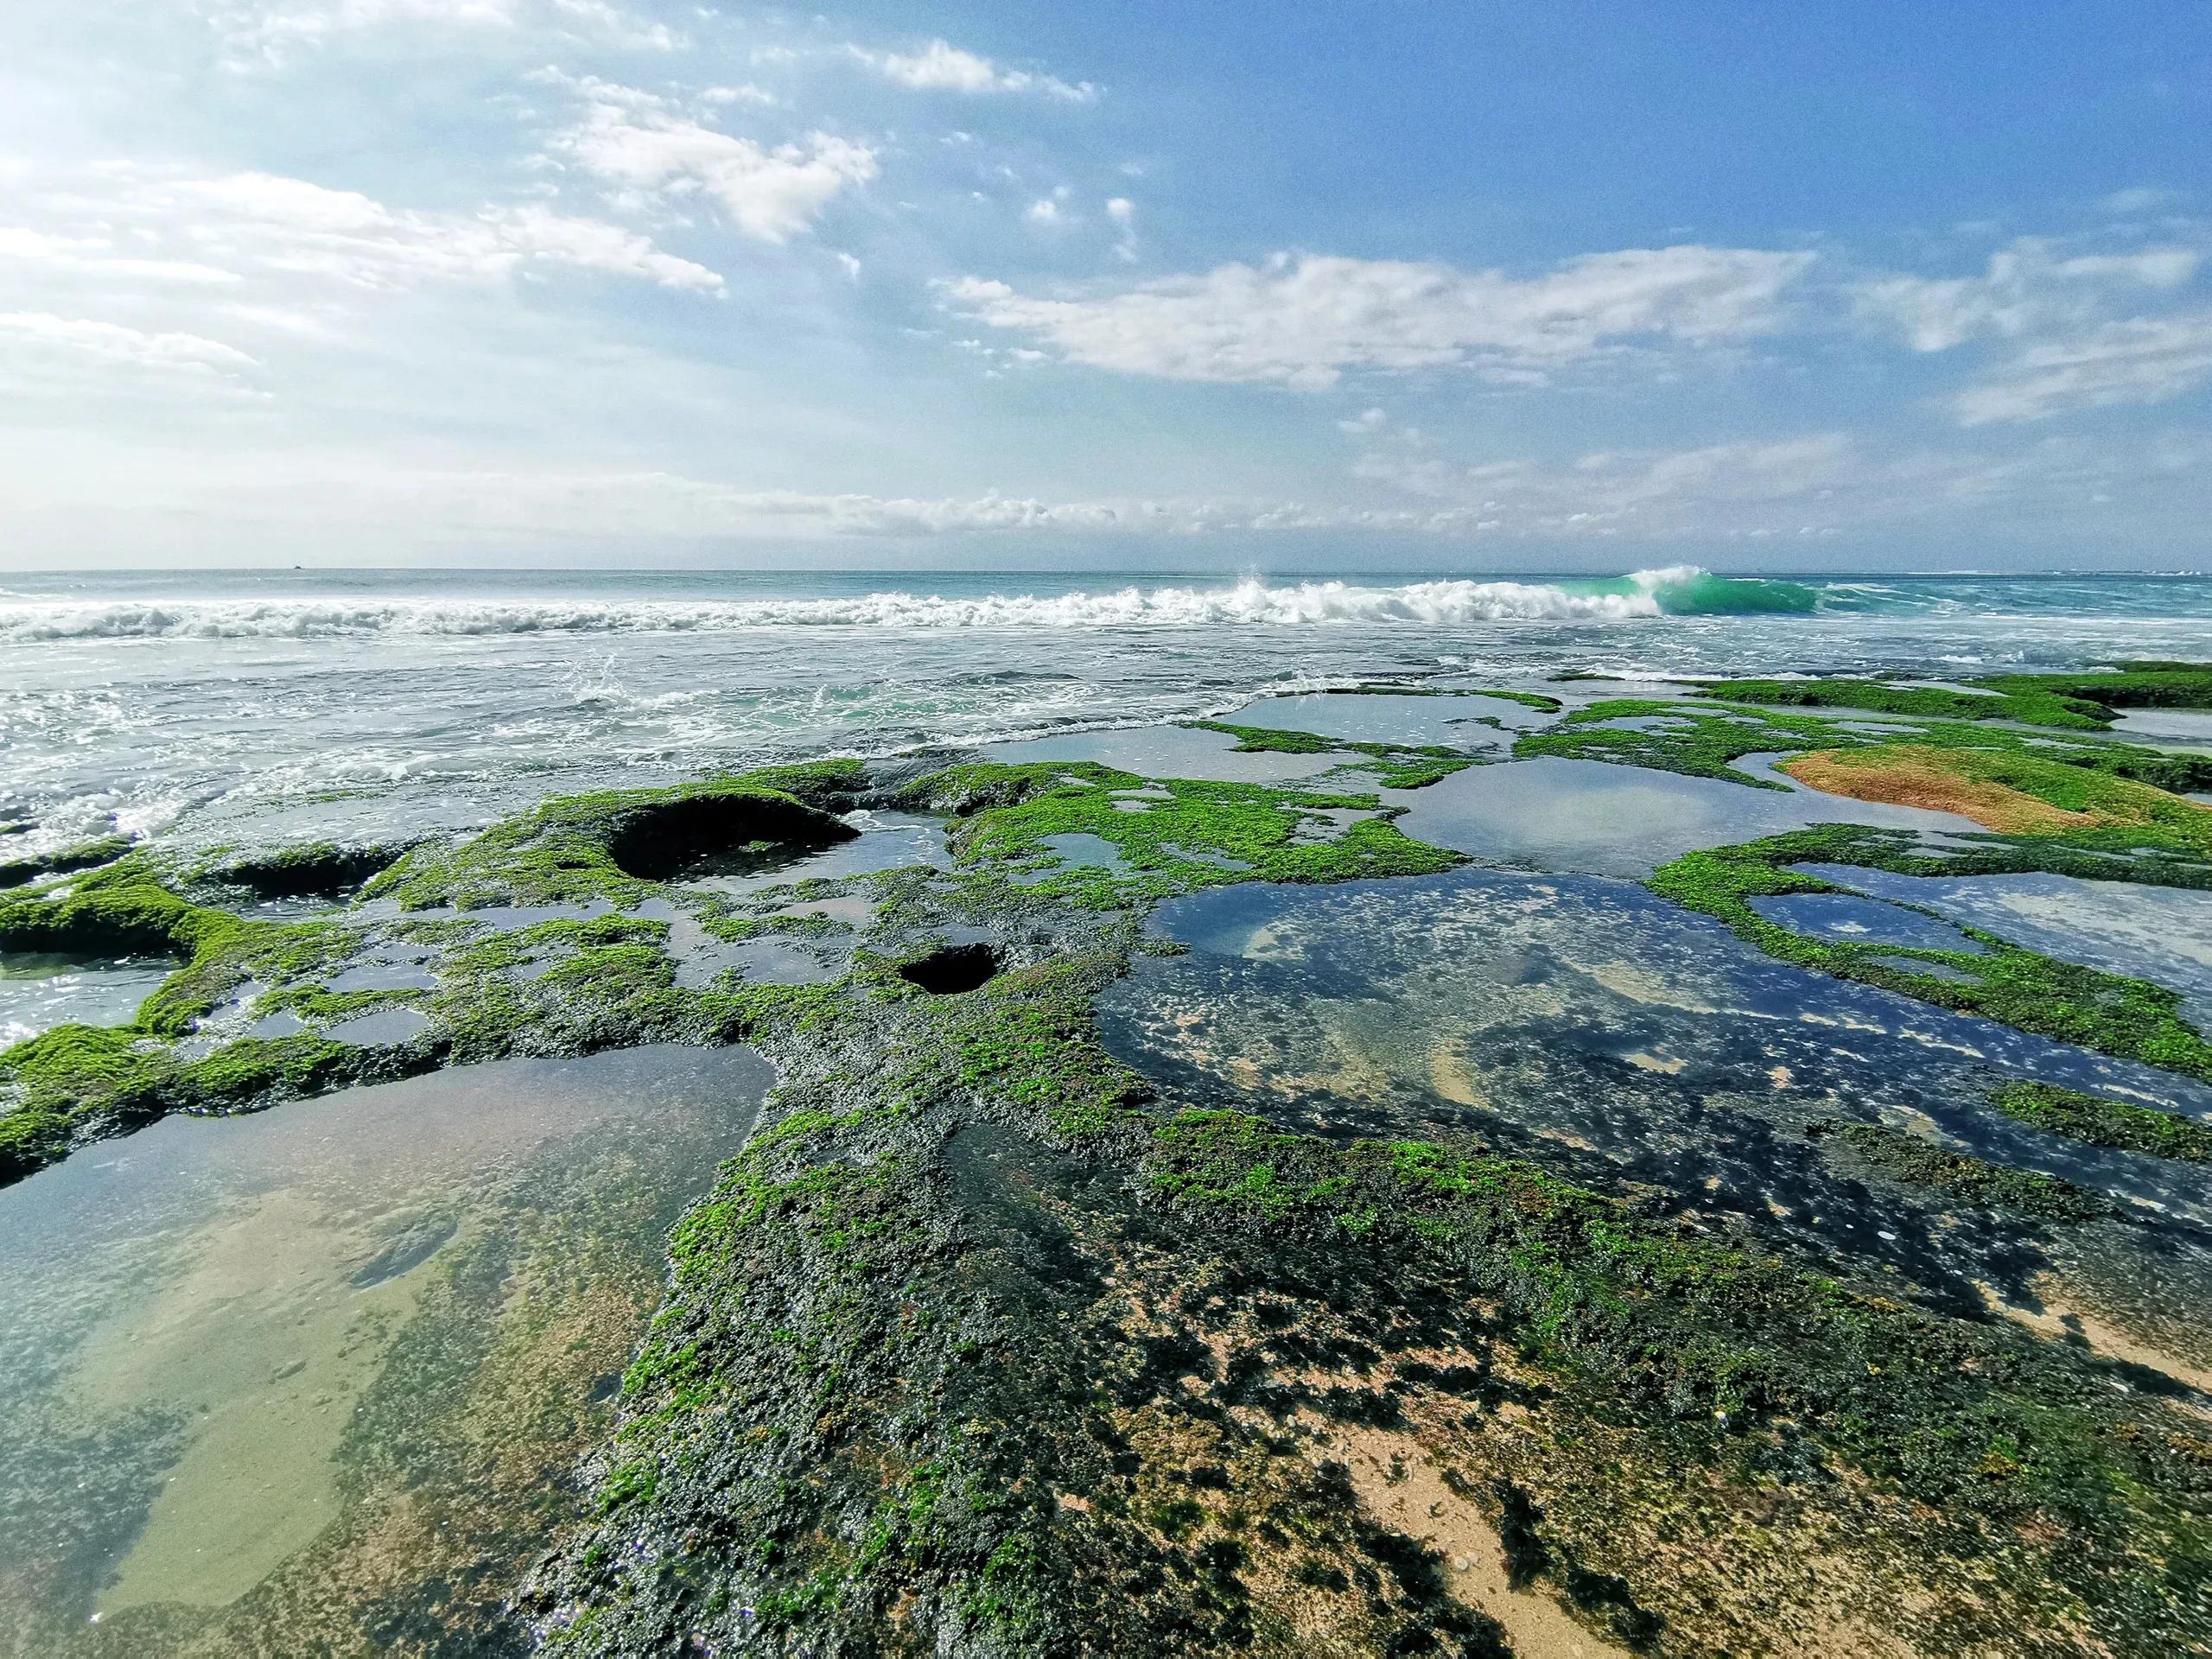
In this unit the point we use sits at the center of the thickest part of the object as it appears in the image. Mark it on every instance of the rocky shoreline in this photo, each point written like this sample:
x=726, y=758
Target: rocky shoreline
x=987, y=1343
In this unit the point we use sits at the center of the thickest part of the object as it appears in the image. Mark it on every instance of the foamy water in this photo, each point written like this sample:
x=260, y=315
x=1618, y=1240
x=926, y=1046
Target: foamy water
x=232, y=704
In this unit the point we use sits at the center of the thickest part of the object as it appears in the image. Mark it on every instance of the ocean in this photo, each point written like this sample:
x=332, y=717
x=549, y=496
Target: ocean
x=233, y=705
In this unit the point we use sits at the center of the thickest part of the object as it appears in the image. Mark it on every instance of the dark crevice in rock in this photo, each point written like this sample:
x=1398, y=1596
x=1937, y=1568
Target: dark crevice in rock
x=718, y=835
x=955, y=968
x=308, y=872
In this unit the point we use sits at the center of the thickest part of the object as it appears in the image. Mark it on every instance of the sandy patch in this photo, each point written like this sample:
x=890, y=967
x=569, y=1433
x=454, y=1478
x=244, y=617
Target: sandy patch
x=2060, y=1320
x=1400, y=1487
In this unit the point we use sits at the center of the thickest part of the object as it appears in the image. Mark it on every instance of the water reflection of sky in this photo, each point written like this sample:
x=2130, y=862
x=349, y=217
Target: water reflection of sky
x=1593, y=818
x=2163, y=934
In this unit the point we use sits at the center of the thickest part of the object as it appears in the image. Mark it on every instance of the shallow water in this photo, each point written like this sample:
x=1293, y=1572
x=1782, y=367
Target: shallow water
x=887, y=841
x=1375, y=717
x=256, y=706
x=1070, y=853
x=39, y=991
x=2168, y=726
x=1592, y=817
x=1621, y=1039
x=2126, y=927
x=313, y=1380
x=380, y=1028
x=1171, y=752
x=1850, y=919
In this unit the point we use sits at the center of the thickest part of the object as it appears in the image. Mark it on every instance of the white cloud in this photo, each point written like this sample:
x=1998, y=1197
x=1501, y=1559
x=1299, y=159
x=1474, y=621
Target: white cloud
x=2140, y=360
x=271, y=33
x=1124, y=214
x=1302, y=321
x=771, y=194
x=2139, y=199
x=96, y=256
x=115, y=344
x=290, y=224
x=942, y=67
x=1713, y=488
x=1044, y=211
x=721, y=96
x=2073, y=329
x=2026, y=287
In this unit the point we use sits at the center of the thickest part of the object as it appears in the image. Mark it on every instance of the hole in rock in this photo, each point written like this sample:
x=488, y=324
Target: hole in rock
x=954, y=969
x=711, y=835
x=307, y=871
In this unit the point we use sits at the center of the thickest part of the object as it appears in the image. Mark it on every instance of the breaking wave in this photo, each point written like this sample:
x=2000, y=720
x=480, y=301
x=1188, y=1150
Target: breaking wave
x=1680, y=591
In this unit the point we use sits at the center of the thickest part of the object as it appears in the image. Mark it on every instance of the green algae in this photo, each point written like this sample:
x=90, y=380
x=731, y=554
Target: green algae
x=1711, y=1340
x=615, y=844
x=2079, y=702
x=20, y=871
x=2098, y=1120
x=1175, y=845
x=302, y=870
x=1397, y=766
x=2091, y=785
x=76, y=1081
x=829, y=1423
x=1704, y=740
x=1911, y=1160
x=2114, y=1013
x=877, y=1369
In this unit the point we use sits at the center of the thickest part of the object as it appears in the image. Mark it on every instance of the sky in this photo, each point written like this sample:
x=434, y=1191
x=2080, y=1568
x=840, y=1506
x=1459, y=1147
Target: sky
x=1381, y=285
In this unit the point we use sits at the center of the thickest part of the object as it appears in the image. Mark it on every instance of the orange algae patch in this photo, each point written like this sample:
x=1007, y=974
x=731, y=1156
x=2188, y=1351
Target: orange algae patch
x=1912, y=776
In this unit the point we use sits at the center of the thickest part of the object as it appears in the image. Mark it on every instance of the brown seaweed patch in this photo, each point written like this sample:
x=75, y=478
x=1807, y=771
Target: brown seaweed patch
x=1909, y=775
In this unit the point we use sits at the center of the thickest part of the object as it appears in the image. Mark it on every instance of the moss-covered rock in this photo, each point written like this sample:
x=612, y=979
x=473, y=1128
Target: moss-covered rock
x=2099, y=1121
x=616, y=843
x=2112, y=1013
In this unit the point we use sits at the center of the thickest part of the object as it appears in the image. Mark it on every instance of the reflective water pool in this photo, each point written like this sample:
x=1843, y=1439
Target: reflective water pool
x=1850, y=919
x=2124, y=927
x=40, y=991
x=1381, y=717
x=1170, y=752
x=887, y=841
x=1592, y=817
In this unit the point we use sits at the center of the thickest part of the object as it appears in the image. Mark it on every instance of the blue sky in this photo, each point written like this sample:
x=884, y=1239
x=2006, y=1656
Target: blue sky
x=1388, y=286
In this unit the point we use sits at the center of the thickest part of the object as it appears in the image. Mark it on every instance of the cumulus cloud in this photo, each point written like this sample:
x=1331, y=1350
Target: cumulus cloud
x=770, y=192
x=1303, y=321
x=168, y=264
x=2069, y=329
x=942, y=67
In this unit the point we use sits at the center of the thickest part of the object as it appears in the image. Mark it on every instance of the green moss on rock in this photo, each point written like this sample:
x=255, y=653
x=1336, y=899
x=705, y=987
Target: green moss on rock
x=1911, y=1160
x=2112, y=1013
x=2099, y=1121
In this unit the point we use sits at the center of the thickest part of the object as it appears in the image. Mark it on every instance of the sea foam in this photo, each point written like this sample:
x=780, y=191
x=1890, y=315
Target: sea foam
x=1683, y=590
